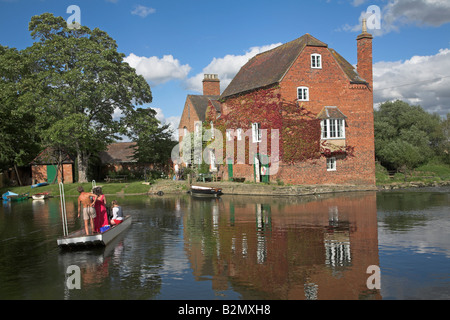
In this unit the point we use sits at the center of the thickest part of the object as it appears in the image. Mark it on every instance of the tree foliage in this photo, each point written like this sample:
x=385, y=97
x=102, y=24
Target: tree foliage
x=18, y=140
x=153, y=140
x=407, y=136
x=77, y=82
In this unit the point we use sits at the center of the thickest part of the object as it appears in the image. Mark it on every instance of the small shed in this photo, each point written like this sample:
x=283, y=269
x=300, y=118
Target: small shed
x=52, y=166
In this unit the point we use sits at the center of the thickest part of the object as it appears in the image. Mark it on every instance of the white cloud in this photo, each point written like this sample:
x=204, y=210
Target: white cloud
x=142, y=11
x=422, y=80
x=226, y=67
x=158, y=70
x=173, y=122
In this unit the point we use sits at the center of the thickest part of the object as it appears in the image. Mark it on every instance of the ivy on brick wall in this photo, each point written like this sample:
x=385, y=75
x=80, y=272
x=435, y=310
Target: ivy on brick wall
x=299, y=130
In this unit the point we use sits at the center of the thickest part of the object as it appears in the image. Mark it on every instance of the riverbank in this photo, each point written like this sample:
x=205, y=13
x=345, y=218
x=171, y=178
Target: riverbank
x=253, y=189
x=231, y=188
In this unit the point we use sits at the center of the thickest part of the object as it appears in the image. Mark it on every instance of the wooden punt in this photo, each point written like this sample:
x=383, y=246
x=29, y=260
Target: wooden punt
x=79, y=238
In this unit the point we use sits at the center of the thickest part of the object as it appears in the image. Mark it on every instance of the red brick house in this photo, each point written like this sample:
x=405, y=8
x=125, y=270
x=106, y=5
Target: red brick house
x=196, y=105
x=307, y=71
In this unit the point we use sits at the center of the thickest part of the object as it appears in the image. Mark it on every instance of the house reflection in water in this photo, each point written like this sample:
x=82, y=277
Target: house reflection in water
x=285, y=248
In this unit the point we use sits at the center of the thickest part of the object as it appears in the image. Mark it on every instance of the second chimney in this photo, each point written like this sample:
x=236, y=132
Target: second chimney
x=364, y=64
x=211, y=85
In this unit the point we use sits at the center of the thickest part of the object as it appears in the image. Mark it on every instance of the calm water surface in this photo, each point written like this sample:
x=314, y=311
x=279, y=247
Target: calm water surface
x=238, y=248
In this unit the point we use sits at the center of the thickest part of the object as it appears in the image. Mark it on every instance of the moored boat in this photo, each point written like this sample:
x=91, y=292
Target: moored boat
x=199, y=191
x=80, y=239
x=6, y=196
x=40, y=196
x=11, y=196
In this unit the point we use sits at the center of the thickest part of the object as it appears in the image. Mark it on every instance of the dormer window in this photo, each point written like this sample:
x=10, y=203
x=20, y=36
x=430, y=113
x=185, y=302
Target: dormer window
x=316, y=61
x=303, y=94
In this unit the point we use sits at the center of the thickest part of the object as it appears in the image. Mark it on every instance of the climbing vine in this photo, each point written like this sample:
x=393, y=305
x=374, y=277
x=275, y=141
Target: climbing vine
x=298, y=128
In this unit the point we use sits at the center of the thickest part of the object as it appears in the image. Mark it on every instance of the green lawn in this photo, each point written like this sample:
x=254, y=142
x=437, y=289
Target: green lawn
x=131, y=187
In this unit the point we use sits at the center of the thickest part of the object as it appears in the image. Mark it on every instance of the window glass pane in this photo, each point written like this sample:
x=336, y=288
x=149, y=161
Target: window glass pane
x=332, y=128
x=302, y=94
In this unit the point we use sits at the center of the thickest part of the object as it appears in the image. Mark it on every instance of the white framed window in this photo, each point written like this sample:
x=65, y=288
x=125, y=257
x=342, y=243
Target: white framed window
x=331, y=164
x=333, y=128
x=239, y=134
x=212, y=130
x=316, y=61
x=303, y=93
x=256, y=132
x=198, y=126
x=229, y=136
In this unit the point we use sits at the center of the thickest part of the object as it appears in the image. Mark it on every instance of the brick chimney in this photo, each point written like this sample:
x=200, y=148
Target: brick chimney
x=364, y=64
x=211, y=85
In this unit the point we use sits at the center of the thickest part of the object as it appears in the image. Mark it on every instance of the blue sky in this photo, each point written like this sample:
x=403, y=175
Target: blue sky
x=173, y=42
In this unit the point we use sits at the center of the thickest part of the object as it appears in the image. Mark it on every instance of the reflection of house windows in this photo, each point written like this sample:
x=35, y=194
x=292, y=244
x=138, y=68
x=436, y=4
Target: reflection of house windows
x=337, y=241
x=261, y=246
x=311, y=290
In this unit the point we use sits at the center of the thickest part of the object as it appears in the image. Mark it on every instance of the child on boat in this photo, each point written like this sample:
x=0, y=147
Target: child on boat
x=117, y=213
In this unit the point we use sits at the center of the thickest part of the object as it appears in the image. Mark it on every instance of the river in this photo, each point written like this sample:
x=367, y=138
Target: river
x=322, y=247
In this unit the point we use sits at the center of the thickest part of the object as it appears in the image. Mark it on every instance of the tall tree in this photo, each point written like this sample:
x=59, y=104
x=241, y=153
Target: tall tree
x=18, y=142
x=153, y=140
x=78, y=81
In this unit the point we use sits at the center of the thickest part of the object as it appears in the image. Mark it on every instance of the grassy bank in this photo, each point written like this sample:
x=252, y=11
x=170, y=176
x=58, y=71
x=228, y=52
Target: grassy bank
x=134, y=187
x=427, y=174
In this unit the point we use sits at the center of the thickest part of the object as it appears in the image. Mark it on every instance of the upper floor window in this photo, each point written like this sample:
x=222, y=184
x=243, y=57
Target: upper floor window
x=333, y=128
x=303, y=93
x=316, y=61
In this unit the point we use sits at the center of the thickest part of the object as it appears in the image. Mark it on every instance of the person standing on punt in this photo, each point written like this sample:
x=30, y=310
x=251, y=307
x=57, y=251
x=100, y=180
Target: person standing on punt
x=87, y=205
x=101, y=218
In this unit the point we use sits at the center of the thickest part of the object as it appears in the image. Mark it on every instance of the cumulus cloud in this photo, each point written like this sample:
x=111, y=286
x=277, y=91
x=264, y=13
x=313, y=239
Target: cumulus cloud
x=399, y=13
x=422, y=80
x=142, y=11
x=226, y=67
x=173, y=121
x=158, y=70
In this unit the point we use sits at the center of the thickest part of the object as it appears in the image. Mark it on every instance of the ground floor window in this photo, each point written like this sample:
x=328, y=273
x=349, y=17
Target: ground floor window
x=331, y=164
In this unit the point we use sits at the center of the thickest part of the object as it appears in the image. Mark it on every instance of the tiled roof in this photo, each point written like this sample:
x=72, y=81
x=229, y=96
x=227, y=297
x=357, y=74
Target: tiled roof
x=269, y=68
x=200, y=104
x=120, y=152
x=331, y=113
x=51, y=156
